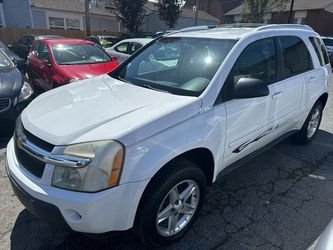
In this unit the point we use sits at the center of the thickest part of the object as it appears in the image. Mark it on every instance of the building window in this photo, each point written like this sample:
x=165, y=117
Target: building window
x=299, y=17
x=2, y=17
x=64, y=23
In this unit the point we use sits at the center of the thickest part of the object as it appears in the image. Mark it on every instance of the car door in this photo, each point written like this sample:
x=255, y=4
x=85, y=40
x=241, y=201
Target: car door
x=250, y=121
x=38, y=65
x=295, y=62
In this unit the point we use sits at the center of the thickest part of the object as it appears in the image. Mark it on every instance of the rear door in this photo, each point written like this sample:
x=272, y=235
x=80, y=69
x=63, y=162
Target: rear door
x=295, y=63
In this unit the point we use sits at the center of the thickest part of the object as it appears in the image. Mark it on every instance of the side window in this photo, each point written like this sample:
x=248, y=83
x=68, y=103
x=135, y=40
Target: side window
x=258, y=60
x=43, y=52
x=320, y=50
x=296, y=56
x=122, y=48
x=134, y=47
x=35, y=48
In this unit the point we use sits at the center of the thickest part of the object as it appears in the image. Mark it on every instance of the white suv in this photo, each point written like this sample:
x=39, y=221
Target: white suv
x=138, y=147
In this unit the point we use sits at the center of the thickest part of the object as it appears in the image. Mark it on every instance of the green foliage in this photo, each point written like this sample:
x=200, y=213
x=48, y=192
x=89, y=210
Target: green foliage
x=169, y=12
x=131, y=13
x=254, y=11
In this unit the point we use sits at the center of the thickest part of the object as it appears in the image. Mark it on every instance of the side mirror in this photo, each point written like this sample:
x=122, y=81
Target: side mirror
x=250, y=88
x=46, y=64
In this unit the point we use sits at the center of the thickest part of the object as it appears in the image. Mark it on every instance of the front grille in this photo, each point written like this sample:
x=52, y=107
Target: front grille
x=4, y=104
x=29, y=162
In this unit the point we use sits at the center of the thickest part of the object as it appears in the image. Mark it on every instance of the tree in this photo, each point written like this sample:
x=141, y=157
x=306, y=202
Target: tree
x=254, y=11
x=131, y=13
x=169, y=12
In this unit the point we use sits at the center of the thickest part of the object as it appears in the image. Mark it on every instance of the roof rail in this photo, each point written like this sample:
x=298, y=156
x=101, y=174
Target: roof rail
x=196, y=28
x=285, y=26
x=240, y=25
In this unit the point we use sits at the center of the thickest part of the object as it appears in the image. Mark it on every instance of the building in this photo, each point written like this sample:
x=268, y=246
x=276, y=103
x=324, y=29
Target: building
x=216, y=8
x=317, y=14
x=187, y=18
x=70, y=14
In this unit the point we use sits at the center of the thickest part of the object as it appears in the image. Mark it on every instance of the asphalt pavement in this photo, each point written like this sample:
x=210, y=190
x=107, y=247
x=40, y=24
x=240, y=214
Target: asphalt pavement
x=282, y=199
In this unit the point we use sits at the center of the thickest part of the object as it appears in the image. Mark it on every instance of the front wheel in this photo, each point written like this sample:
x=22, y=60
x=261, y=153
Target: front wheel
x=310, y=126
x=171, y=204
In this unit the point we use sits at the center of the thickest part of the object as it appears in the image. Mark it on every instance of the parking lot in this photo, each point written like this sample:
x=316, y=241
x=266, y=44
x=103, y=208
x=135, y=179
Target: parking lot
x=283, y=199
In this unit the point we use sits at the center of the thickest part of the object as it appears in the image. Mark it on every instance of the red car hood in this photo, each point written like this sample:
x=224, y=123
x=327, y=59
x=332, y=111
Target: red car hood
x=83, y=71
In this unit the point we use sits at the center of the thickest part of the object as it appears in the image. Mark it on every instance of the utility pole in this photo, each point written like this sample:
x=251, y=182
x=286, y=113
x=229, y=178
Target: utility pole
x=87, y=15
x=196, y=12
x=291, y=11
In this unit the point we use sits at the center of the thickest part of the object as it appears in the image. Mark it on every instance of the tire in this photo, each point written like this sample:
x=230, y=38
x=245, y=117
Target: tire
x=157, y=198
x=304, y=136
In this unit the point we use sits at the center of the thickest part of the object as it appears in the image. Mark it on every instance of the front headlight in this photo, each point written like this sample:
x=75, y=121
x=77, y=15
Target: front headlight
x=102, y=172
x=26, y=92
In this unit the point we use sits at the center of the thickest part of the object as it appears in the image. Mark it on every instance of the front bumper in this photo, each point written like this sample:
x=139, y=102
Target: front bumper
x=110, y=210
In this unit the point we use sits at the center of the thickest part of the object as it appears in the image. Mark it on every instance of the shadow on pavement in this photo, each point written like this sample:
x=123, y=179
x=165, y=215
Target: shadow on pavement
x=283, y=199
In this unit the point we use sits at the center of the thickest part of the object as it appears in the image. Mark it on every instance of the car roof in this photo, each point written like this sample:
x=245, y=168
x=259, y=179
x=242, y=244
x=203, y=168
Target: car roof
x=237, y=31
x=66, y=41
x=139, y=40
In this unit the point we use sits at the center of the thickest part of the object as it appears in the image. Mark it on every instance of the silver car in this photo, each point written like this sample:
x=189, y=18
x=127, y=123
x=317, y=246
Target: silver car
x=125, y=48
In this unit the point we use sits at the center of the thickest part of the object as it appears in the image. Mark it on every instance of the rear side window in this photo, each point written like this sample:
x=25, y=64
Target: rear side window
x=296, y=56
x=320, y=50
x=122, y=48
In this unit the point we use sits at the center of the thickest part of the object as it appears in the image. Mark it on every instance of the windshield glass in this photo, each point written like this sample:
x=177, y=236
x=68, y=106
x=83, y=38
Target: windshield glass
x=107, y=42
x=69, y=54
x=178, y=65
x=328, y=42
x=5, y=62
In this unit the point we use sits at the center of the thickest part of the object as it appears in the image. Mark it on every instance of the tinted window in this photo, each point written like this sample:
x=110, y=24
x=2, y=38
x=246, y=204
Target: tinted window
x=296, y=57
x=320, y=50
x=122, y=48
x=135, y=46
x=328, y=42
x=258, y=60
x=27, y=40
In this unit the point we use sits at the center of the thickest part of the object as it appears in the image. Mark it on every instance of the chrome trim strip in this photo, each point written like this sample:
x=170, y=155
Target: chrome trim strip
x=42, y=155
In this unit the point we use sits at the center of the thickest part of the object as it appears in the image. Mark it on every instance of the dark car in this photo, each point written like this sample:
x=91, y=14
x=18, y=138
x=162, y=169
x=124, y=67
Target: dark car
x=104, y=41
x=129, y=35
x=22, y=46
x=18, y=61
x=15, y=92
x=328, y=41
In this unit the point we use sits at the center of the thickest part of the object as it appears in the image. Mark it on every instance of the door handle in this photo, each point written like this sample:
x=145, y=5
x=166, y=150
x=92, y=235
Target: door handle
x=312, y=79
x=276, y=95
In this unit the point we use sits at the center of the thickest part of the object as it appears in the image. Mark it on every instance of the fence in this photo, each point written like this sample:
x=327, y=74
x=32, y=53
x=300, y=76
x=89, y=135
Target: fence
x=10, y=35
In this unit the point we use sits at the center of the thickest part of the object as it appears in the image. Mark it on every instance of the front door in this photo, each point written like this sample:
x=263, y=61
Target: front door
x=250, y=121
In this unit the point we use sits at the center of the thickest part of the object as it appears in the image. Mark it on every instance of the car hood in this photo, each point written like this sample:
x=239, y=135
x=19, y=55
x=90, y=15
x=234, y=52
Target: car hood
x=10, y=83
x=83, y=71
x=104, y=108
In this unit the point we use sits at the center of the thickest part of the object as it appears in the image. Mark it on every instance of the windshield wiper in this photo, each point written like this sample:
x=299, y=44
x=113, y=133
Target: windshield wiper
x=156, y=89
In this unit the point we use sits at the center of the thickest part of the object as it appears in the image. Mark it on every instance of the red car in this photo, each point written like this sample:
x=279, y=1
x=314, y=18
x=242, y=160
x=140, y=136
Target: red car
x=58, y=61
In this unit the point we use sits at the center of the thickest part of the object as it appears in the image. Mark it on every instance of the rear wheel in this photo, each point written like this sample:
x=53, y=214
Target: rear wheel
x=171, y=204
x=310, y=126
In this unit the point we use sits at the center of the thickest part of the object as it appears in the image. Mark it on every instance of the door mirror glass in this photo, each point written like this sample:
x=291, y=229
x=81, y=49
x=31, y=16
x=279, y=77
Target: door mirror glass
x=250, y=88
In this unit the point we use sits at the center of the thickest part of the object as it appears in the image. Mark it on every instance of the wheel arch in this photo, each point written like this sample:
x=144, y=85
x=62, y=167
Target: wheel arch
x=202, y=157
x=323, y=98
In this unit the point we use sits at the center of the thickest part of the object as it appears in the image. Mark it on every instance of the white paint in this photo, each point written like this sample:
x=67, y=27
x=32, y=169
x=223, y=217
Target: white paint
x=156, y=127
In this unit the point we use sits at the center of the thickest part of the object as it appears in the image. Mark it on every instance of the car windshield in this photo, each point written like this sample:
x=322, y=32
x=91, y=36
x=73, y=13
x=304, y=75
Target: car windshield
x=5, y=62
x=328, y=42
x=179, y=65
x=107, y=42
x=70, y=54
